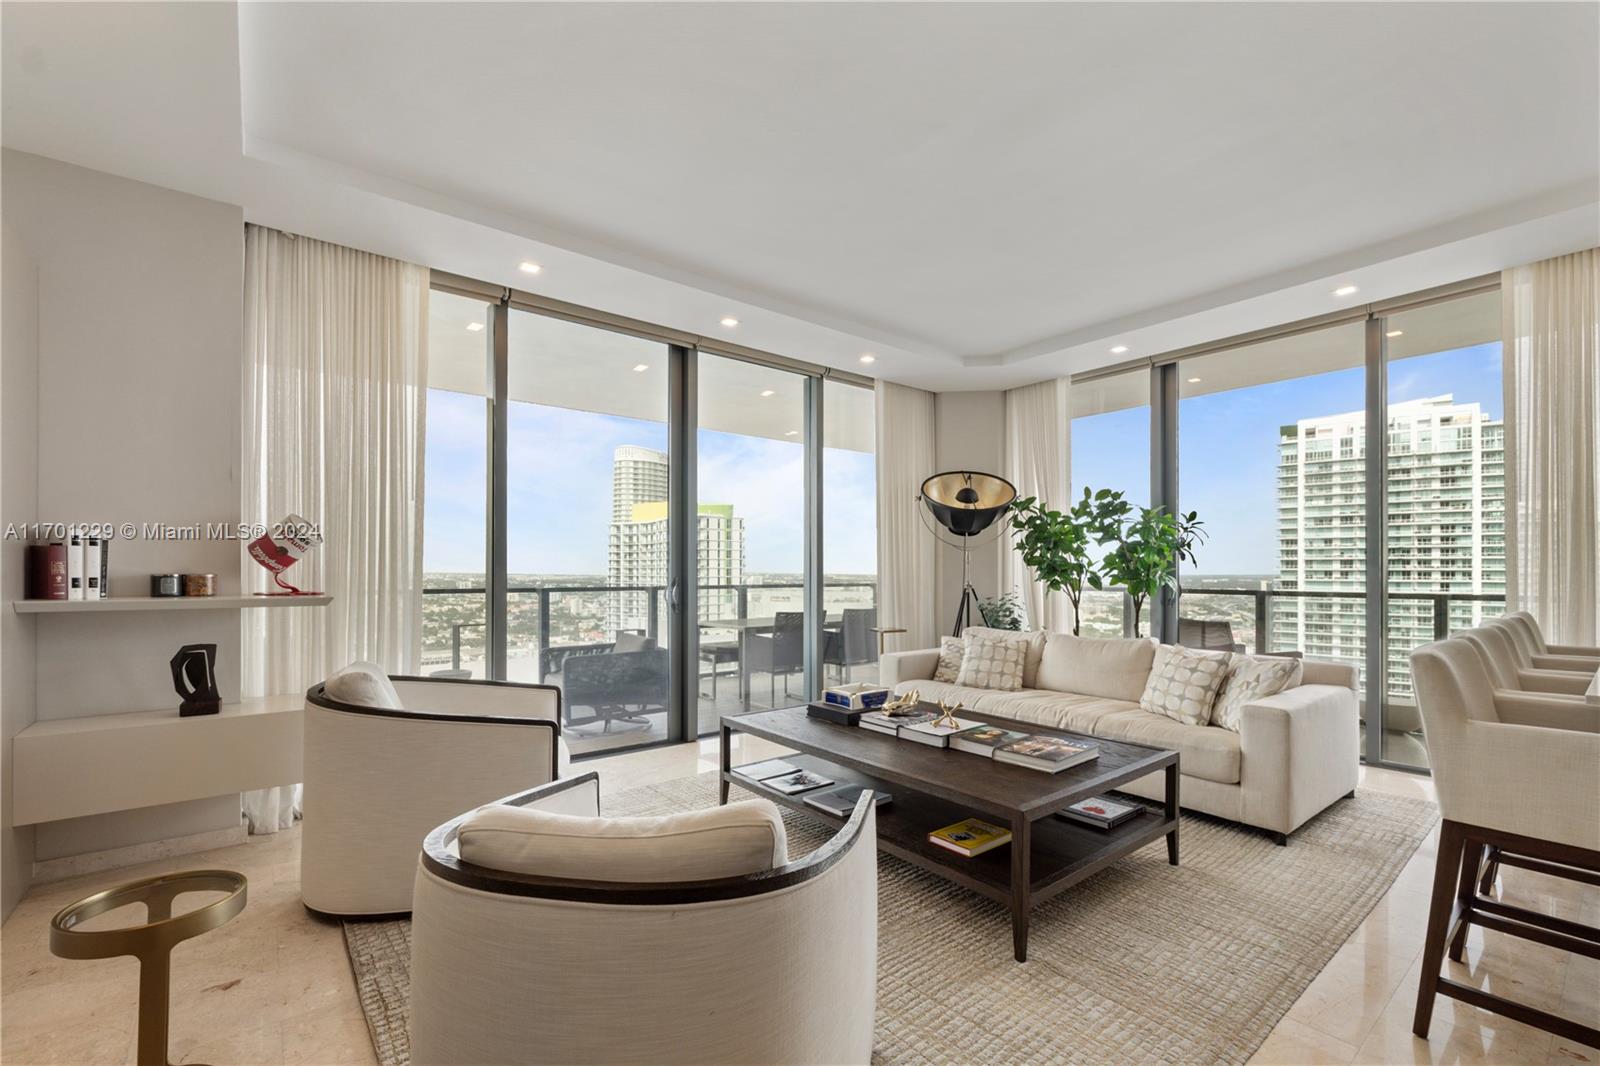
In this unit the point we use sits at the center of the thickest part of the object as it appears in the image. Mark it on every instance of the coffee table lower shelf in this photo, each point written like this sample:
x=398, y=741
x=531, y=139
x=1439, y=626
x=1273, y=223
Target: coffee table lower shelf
x=1060, y=854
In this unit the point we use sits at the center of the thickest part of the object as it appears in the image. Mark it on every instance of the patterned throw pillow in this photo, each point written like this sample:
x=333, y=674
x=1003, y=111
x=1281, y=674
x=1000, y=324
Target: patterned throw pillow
x=949, y=659
x=1183, y=683
x=1252, y=678
x=991, y=662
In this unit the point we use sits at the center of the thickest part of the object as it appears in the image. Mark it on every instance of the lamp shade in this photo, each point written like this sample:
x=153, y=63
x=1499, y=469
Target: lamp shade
x=966, y=503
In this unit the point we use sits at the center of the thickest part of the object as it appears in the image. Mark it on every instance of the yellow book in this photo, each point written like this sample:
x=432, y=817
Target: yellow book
x=970, y=837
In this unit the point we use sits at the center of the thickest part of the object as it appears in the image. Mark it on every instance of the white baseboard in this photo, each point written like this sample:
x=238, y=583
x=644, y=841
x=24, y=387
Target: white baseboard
x=97, y=861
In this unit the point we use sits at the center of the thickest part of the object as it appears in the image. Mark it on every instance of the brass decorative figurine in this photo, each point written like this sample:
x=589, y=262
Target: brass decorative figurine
x=902, y=705
x=947, y=715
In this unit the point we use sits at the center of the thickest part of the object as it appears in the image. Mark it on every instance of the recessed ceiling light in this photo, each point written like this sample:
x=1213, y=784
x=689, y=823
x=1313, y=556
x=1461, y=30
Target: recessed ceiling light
x=1194, y=381
x=767, y=392
x=1395, y=333
x=641, y=368
x=868, y=357
x=1119, y=349
x=474, y=326
x=730, y=321
x=1346, y=290
x=527, y=266
x=792, y=433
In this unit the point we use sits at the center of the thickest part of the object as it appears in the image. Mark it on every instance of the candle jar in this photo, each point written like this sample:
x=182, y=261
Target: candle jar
x=166, y=585
x=199, y=584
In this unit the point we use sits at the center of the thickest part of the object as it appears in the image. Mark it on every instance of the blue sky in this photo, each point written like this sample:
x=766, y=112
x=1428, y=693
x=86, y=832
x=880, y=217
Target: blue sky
x=559, y=499
x=1228, y=445
x=559, y=495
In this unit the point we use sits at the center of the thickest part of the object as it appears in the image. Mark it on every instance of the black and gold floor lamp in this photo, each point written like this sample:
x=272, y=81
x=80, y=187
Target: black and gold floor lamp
x=965, y=503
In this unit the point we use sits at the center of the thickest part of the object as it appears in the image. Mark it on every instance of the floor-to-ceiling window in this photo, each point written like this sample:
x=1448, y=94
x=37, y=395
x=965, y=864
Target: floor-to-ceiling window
x=586, y=526
x=751, y=536
x=849, y=534
x=455, y=533
x=1445, y=491
x=1272, y=456
x=1110, y=450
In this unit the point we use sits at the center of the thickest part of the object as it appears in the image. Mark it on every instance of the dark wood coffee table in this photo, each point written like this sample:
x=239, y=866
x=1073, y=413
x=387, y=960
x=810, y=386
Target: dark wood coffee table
x=934, y=787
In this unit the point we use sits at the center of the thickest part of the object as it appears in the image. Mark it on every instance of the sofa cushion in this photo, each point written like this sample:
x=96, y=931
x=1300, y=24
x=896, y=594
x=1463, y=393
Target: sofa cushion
x=1113, y=668
x=934, y=691
x=1033, y=642
x=1203, y=751
x=363, y=685
x=1053, y=710
x=949, y=667
x=1249, y=678
x=1184, y=683
x=740, y=838
x=992, y=662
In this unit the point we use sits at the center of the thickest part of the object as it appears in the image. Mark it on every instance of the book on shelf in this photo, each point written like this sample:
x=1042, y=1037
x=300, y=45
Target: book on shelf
x=799, y=781
x=47, y=571
x=1102, y=812
x=1050, y=754
x=760, y=771
x=840, y=800
x=970, y=838
x=983, y=739
x=932, y=733
x=891, y=724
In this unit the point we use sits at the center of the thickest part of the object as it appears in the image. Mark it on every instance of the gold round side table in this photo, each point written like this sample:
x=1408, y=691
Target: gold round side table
x=152, y=942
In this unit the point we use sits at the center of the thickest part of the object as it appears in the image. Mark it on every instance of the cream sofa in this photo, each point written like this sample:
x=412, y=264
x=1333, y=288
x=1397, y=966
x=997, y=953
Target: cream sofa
x=1295, y=752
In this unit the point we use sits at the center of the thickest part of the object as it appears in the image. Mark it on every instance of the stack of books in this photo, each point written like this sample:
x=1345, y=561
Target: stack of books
x=984, y=739
x=892, y=724
x=1050, y=754
x=1101, y=812
x=970, y=838
x=933, y=734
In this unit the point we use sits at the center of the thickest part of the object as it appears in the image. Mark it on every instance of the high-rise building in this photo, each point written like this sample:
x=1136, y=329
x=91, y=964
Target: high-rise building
x=637, y=554
x=1445, y=488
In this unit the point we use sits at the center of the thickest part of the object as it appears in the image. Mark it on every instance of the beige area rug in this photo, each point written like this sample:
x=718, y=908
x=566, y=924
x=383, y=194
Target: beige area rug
x=1143, y=962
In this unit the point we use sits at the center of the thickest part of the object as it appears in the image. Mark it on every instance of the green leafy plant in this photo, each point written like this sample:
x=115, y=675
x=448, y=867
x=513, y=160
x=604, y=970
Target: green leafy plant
x=1144, y=559
x=1057, y=546
x=1001, y=612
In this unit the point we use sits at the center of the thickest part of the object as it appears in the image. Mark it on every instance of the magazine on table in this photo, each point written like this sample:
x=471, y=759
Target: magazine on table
x=760, y=771
x=970, y=838
x=799, y=781
x=840, y=800
x=1102, y=812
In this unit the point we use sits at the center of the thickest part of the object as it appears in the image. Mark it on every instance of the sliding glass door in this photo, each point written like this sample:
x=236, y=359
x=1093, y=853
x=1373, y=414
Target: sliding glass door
x=750, y=452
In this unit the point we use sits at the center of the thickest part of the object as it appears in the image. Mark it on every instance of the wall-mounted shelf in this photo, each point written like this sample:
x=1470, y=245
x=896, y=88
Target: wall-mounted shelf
x=164, y=603
x=72, y=767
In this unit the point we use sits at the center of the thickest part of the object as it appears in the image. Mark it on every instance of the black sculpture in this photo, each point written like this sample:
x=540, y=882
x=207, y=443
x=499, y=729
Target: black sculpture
x=194, y=675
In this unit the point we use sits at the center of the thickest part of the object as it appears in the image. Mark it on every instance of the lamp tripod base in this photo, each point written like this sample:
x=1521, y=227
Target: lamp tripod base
x=967, y=611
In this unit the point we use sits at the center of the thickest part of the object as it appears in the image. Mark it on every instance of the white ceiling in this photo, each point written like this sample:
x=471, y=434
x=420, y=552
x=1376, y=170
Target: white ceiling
x=982, y=195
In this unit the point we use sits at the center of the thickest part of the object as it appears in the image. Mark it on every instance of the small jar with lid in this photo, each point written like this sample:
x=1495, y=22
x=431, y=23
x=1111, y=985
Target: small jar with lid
x=199, y=584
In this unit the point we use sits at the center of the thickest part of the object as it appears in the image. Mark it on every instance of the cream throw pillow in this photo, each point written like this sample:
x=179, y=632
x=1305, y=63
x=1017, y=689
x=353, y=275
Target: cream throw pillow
x=1032, y=642
x=1251, y=678
x=1183, y=683
x=739, y=838
x=949, y=660
x=991, y=662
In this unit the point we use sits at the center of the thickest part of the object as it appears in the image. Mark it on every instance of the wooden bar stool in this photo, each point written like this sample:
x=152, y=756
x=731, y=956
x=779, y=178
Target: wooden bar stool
x=152, y=942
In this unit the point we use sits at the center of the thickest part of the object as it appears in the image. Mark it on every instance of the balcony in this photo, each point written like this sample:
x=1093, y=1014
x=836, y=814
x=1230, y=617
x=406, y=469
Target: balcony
x=606, y=646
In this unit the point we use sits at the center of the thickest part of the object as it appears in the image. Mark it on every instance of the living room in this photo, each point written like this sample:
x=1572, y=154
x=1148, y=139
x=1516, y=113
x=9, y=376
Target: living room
x=947, y=533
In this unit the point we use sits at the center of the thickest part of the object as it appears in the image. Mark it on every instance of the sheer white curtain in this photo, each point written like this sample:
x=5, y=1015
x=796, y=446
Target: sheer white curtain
x=336, y=368
x=905, y=548
x=1551, y=333
x=1038, y=463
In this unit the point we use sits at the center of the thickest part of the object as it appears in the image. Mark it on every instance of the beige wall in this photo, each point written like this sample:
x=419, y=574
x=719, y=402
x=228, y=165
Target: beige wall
x=140, y=342
x=19, y=432
x=969, y=435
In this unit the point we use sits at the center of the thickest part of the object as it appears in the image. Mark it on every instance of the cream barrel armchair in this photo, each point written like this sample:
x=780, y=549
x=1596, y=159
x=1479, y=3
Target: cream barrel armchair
x=394, y=758
x=774, y=965
x=1513, y=772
